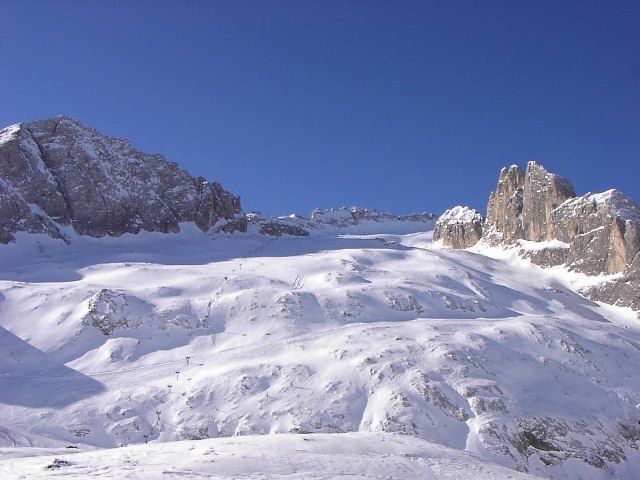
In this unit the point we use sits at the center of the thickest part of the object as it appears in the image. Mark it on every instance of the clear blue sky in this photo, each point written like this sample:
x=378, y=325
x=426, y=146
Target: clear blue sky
x=292, y=104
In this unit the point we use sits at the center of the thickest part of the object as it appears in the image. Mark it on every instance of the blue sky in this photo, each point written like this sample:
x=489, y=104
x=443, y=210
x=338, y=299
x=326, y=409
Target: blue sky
x=398, y=105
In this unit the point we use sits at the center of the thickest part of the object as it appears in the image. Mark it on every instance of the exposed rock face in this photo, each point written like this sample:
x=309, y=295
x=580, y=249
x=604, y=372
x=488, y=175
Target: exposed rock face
x=603, y=230
x=597, y=234
x=545, y=254
x=265, y=225
x=58, y=172
x=605, y=239
x=504, y=211
x=277, y=229
x=522, y=204
x=278, y=226
x=542, y=193
x=459, y=227
x=594, y=234
x=58, y=175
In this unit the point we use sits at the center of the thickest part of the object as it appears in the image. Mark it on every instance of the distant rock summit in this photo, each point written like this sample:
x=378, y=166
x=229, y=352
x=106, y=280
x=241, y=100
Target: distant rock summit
x=343, y=216
x=539, y=213
x=57, y=172
x=325, y=219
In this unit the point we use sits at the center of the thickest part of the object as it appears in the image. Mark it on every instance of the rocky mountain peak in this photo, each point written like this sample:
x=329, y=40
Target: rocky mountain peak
x=521, y=205
x=539, y=212
x=504, y=211
x=542, y=193
x=57, y=173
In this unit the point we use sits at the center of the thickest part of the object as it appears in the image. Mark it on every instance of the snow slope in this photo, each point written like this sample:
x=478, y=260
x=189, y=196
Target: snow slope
x=322, y=456
x=157, y=338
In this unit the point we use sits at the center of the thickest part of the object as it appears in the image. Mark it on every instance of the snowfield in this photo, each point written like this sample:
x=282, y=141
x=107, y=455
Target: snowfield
x=363, y=328
x=322, y=456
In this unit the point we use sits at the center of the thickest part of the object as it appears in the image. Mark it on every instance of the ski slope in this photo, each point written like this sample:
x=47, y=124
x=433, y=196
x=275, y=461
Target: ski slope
x=365, y=328
x=287, y=456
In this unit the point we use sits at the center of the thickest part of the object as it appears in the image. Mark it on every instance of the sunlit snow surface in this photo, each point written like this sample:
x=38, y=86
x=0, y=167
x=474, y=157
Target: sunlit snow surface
x=157, y=338
x=286, y=456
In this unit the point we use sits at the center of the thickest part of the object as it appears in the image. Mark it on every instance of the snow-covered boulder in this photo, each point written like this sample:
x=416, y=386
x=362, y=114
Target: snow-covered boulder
x=109, y=311
x=458, y=227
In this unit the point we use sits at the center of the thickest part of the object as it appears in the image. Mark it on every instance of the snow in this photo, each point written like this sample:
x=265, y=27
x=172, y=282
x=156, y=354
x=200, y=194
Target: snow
x=536, y=246
x=365, y=220
x=460, y=214
x=354, y=333
x=623, y=206
x=9, y=133
x=615, y=201
x=368, y=456
x=570, y=279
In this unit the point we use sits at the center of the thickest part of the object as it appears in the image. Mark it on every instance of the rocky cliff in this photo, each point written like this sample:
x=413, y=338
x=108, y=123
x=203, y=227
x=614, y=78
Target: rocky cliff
x=57, y=173
x=521, y=206
x=459, y=227
x=596, y=234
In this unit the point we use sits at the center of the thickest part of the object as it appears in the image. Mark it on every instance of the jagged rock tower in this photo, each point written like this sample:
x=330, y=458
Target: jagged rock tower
x=594, y=234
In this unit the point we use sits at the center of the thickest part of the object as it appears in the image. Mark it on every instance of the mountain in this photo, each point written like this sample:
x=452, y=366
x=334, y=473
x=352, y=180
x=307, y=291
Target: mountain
x=59, y=176
x=338, y=331
x=539, y=214
x=351, y=328
x=59, y=173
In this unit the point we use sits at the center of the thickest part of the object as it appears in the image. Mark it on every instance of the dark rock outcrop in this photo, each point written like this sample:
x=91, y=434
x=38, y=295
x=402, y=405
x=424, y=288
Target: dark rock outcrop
x=459, y=227
x=278, y=229
x=291, y=225
x=344, y=217
x=354, y=218
x=547, y=254
x=57, y=173
x=265, y=225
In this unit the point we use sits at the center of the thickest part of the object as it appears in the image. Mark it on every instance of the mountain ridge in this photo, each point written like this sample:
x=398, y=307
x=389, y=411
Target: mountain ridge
x=59, y=172
x=539, y=213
